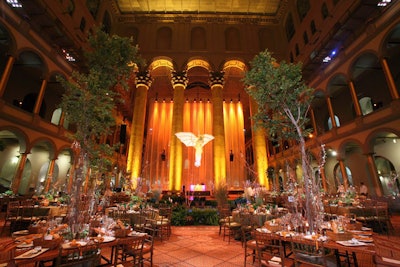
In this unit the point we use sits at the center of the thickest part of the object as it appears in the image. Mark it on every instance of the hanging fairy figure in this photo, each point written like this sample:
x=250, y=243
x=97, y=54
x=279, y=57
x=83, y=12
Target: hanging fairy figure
x=198, y=142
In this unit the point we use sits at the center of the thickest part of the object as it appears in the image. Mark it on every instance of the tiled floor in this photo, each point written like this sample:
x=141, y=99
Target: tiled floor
x=198, y=246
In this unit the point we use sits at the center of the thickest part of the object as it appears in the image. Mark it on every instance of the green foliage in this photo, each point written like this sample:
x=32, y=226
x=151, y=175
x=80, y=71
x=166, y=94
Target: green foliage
x=90, y=96
x=179, y=214
x=183, y=216
x=221, y=193
x=204, y=216
x=283, y=98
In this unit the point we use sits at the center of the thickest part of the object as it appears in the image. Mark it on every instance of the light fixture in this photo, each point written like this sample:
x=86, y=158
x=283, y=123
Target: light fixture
x=14, y=3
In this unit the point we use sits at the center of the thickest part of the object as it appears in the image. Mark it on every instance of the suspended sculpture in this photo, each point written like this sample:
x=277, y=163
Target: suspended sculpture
x=198, y=142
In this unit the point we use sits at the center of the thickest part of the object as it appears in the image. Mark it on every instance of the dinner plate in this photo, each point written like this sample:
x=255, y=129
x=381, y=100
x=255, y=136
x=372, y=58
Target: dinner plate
x=77, y=244
x=22, y=232
x=108, y=239
x=365, y=239
x=263, y=230
x=25, y=245
x=32, y=253
x=351, y=243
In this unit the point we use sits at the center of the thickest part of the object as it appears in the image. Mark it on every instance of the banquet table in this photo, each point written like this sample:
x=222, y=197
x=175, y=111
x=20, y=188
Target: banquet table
x=257, y=218
x=340, y=247
x=50, y=255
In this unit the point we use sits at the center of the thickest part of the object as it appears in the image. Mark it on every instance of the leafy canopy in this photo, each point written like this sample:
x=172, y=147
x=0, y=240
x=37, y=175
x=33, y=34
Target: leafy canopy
x=89, y=100
x=283, y=98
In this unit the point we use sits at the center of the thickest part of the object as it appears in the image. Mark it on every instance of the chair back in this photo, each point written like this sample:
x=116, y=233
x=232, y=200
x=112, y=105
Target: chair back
x=310, y=252
x=129, y=247
x=269, y=245
x=80, y=256
x=387, y=250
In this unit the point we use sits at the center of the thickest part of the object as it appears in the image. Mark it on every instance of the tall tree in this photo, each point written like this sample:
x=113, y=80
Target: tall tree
x=89, y=103
x=283, y=103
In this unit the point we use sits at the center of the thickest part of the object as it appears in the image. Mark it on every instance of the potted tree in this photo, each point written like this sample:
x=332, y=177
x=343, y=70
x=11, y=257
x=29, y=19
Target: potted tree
x=89, y=103
x=283, y=101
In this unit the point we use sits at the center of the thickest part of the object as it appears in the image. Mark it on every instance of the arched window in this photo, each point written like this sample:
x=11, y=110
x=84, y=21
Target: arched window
x=289, y=27
x=313, y=28
x=366, y=105
x=303, y=6
x=336, y=121
x=324, y=11
x=106, y=23
x=55, y=119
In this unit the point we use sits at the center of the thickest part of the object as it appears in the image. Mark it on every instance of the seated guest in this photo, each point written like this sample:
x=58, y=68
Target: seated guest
x=363, y=189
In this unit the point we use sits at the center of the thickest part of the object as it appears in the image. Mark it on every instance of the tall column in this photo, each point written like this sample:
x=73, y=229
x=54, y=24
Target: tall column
x=49, y=175
x=18, y=174
x=259, y=149
x=354, y=97
x=179, y=82
x=216, y=82
x=344, y=174
x=331, y=113
x=143, y=82
x=389, y=78
x=374, y=175
x=313, y=122
x=323, y=178
x=39, y=99
x=6, y=74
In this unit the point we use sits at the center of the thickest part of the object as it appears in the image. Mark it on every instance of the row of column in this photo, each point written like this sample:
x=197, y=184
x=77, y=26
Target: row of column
x=179, y=83
x=23, y=154
x=370, y=158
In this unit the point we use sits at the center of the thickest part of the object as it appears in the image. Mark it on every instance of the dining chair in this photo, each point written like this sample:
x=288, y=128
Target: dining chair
x=311, y=252
x=387, y=251
x=13, y=216
x=79, y=256
x=270, y=250
x=148, y=245
x=383, y=218
x=223, y=213
x=165, y=217
x=27, y=212
x=250, y=248
x=230, y=228
x=129, y=251
x=248, y=225
x=7, y=252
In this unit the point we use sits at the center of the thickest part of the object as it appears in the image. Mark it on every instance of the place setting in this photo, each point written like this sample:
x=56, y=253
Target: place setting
x=36, y=251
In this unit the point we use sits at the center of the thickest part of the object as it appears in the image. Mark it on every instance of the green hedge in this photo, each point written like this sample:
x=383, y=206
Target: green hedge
x=194, y=216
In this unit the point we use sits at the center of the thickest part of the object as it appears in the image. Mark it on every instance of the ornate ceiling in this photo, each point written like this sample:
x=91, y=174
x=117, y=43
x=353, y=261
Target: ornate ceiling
x=234, y=7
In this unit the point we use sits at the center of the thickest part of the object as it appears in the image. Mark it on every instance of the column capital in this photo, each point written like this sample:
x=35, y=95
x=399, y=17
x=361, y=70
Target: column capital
x=179, y=78
x=143, y=78
x=217, y=78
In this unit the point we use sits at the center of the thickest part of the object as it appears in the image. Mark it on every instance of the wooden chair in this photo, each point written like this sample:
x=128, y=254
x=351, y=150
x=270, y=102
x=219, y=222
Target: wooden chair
x=223, y=213
x=127, y=248
x=148, y=245
x=7, y=252
x=383, y=218
x=230, y=228
x=80, y=256
x=26, y=211
x=250, y=248
x=164, y=221
x=311, y=252
x=13, y=216
x=387, y=251
x=270, y=250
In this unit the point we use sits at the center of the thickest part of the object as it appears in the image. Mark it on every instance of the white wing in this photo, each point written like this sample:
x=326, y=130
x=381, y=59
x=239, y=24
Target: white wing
x=207, y=138
x=189, y=139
